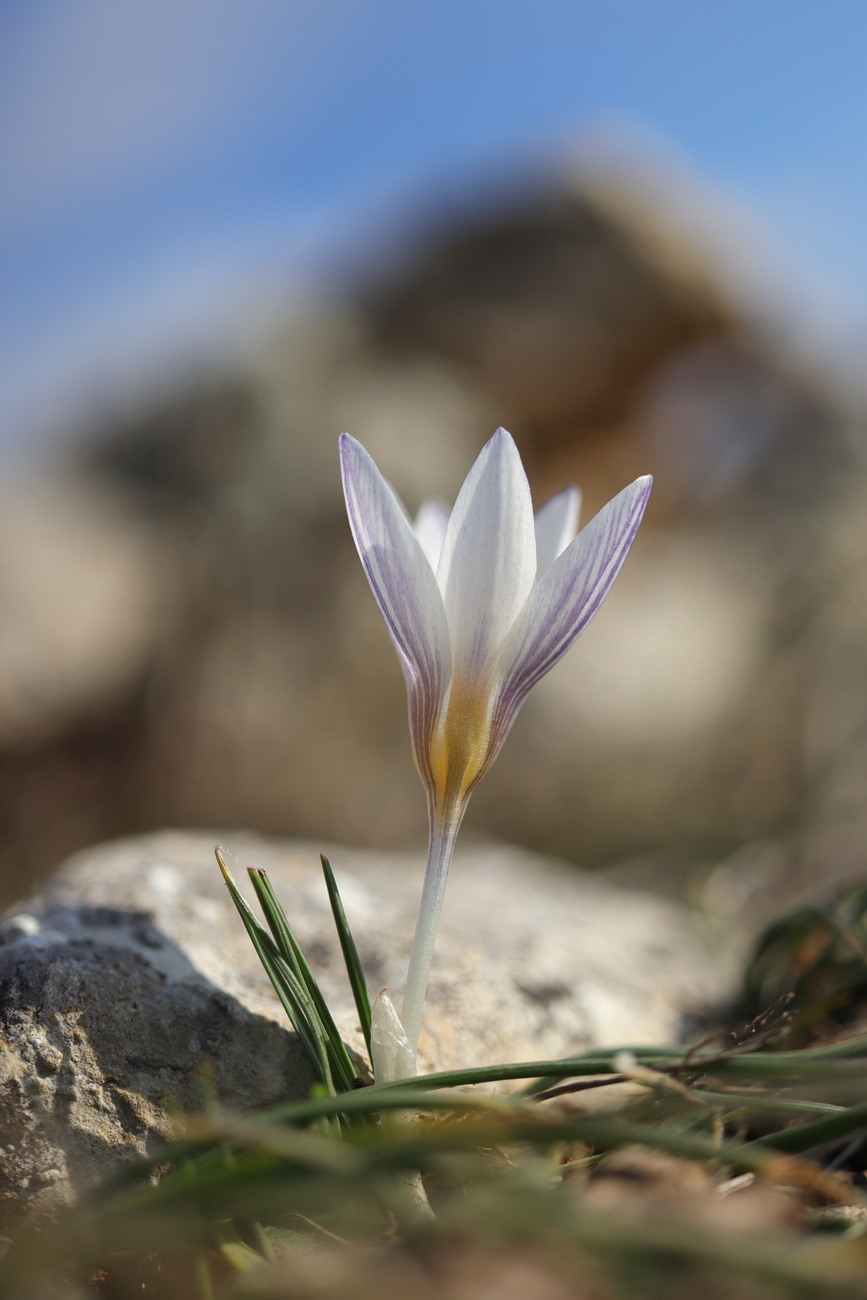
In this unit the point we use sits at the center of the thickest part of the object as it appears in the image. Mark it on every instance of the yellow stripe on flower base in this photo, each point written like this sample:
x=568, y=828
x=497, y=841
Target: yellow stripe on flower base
x=460, y=747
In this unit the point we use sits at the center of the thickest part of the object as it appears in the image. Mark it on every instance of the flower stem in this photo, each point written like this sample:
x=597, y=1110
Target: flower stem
x=441, y=846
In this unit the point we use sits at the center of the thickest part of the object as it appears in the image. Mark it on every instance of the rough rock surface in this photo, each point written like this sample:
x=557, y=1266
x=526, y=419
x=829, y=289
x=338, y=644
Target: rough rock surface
x=129, y=974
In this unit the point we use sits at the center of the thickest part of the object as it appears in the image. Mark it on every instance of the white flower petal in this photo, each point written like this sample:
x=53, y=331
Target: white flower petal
x=390, y=1049
x=556, y=524
x=430, y=528
x=404, y=585
x=488, y=562
x=564, y=601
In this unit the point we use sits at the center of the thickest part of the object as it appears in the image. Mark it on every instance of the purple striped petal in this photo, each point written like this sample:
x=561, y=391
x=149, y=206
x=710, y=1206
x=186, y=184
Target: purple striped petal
x=556, y=524
x=488, y=562
x=405, y=588
x=565, y=599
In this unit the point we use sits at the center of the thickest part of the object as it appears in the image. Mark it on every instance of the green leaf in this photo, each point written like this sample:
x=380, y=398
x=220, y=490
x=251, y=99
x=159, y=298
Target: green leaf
x=240, y=1256
x=816, y=1133
x=350, y=953
x=341, y=1064
x=287, y=986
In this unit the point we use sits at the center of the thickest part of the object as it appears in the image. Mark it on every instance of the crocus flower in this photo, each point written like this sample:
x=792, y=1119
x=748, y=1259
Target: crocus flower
x=479, y=604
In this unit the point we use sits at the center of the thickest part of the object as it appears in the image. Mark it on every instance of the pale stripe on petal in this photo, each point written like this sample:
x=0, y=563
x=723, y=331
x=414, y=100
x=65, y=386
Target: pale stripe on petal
x=488, y=562
x=556, y=524
x=430, y=529
x=564, y=601
x=404, y=586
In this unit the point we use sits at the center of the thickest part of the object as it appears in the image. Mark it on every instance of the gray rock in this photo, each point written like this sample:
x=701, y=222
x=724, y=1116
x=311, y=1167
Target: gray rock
x=183, y=619
x=106, y=1029
x=128, y=977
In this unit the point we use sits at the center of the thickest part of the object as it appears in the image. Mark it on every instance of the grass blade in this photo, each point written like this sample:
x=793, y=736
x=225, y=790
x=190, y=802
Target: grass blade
x=350, y=953
x=287, y=986
x=815, y=1133
x=290, y=950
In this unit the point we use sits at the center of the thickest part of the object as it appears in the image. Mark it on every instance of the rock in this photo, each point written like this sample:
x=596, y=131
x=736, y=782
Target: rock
x=562, y=301
x=79, y=599
x=106, y=1027
x=186, y=636
x=129, y=974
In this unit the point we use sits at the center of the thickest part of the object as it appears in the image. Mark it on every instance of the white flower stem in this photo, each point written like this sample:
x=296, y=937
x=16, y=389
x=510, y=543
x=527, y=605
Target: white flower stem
x=443, y=833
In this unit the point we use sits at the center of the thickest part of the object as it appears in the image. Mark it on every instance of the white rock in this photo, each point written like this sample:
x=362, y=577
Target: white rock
x=130, y=971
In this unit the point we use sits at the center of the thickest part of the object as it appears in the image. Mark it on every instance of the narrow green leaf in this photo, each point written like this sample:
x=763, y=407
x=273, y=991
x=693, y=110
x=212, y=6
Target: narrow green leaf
x=203, y=1278
x=290, y=949
x=341, y=1063
x=815, y=1133
x=769, y=1102
x=350, y=953
x=541, y=1085
x=291, y=994
x=286, y=984
x=485, y=1122
x=240, y=1256
x=843, y=1061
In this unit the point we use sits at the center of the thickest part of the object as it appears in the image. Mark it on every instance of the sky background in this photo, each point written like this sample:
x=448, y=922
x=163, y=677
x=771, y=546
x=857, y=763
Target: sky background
x=170, y=167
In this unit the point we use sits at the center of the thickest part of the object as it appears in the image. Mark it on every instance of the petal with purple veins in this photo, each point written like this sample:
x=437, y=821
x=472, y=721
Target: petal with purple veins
x=566, y=598
x=404, y=586
x=488, y=562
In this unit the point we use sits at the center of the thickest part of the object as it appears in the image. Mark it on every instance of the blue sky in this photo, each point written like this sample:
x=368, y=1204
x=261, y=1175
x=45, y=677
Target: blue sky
x=165, y=163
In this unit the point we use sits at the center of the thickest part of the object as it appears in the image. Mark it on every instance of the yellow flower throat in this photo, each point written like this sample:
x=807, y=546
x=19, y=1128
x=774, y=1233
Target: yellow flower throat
x=460, y=744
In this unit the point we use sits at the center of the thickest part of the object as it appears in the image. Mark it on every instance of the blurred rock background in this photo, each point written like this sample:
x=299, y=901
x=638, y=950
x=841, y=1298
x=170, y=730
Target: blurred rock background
x=187, y=638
